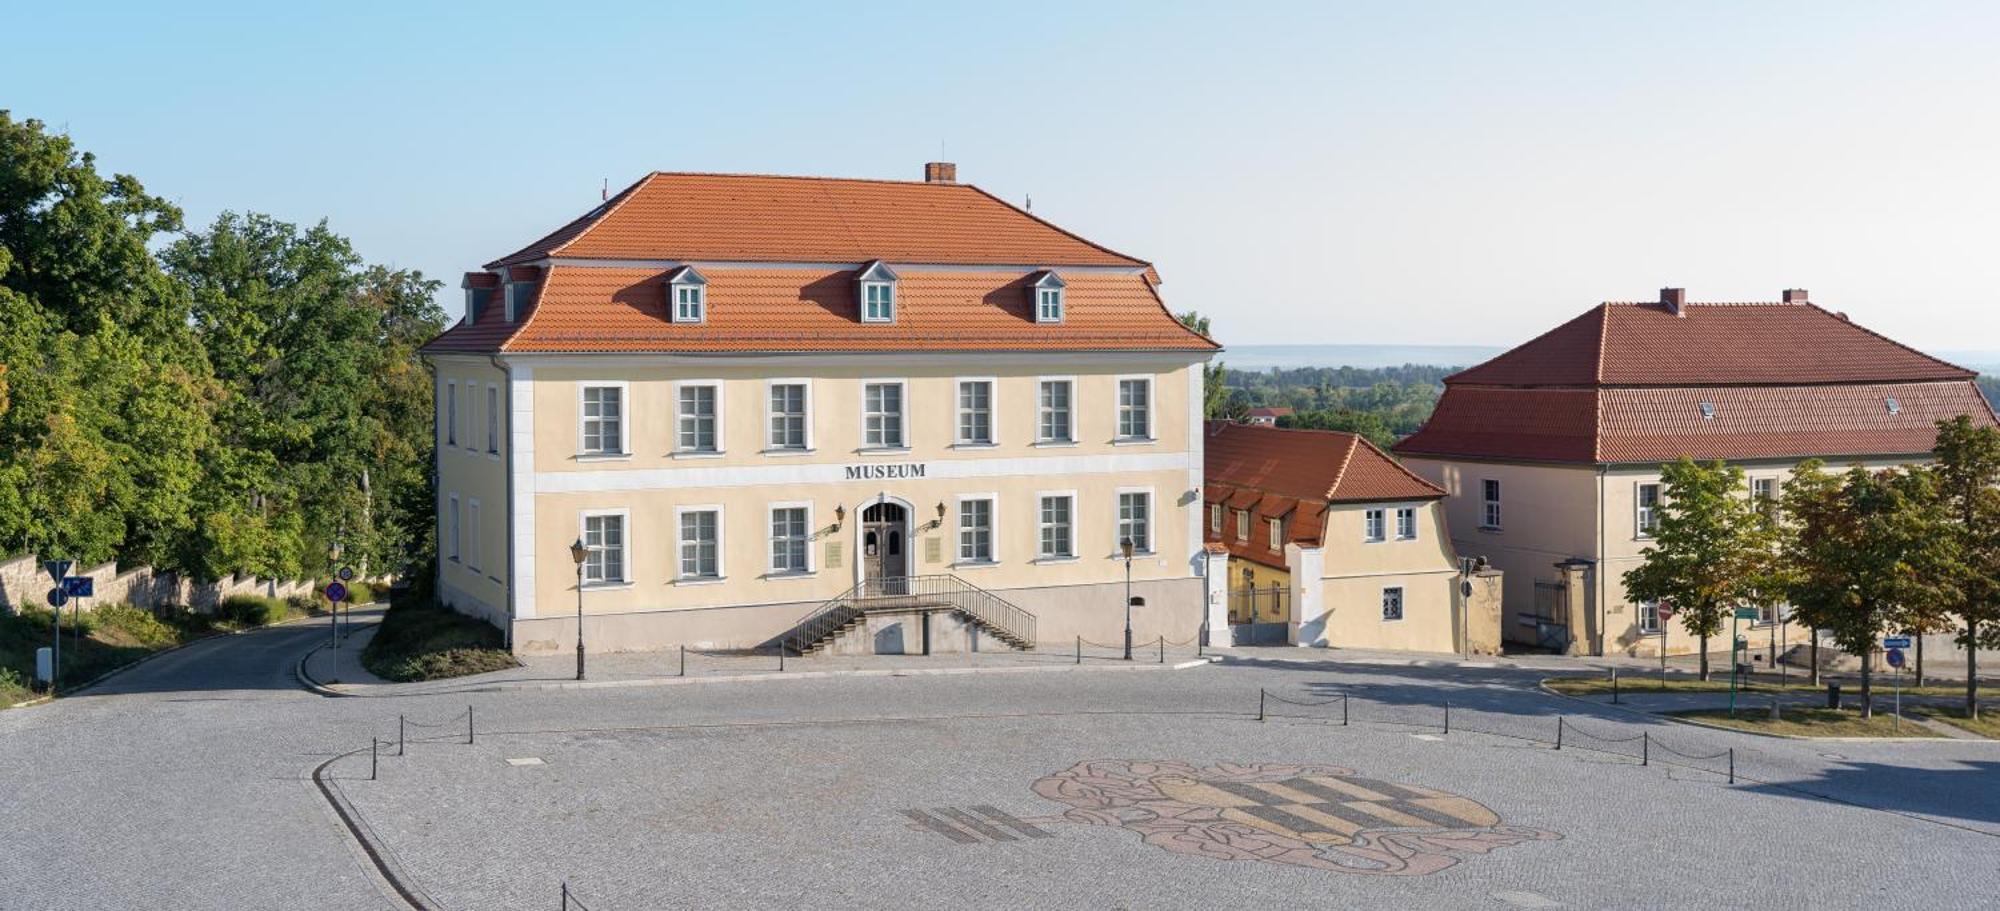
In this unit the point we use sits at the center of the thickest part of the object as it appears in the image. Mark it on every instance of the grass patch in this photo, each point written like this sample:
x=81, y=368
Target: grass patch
x=420, y=639
x=1636, y=684
x=1811, y=722
x=1987, y=725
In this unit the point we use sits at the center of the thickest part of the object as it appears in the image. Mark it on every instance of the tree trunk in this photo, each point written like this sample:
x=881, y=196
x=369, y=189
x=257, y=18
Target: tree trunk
x=1920, y=659
x=1867, y=695
x=1971, y=669
x=1704, y=657
x=1815, y=657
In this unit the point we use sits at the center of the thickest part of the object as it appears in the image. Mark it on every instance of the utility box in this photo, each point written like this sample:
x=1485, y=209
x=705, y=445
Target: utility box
x=45, y=664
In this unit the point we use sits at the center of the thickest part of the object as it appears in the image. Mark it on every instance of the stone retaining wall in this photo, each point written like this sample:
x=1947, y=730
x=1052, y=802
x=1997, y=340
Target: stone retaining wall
x=23, y=582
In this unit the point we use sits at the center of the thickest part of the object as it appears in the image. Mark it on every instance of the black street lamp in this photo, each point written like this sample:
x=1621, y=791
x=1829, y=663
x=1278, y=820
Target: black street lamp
x=579, y=553
x=1125, y=547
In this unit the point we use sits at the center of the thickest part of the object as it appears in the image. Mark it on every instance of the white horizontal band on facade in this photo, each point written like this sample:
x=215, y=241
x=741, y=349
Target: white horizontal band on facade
x=641, y=479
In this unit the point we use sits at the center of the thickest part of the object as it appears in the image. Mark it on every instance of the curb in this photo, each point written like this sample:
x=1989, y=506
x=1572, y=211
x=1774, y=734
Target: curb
x=377, y=854
x=503, y=686
x=1691, y=722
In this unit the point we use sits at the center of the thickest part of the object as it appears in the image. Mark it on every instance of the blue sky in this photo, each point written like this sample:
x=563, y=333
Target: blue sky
x=1332, y=172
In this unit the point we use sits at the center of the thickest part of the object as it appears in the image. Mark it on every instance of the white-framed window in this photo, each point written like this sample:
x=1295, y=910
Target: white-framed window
x=1646, y=510
x=1276, y=530
x=1764, y=494
x=1489, y=490
x=1135, y=520
x=1135, y=408
x=878, y=293
x=472, y=557
x=1649, y=616
x=1373, y=526
x=975, y=529
x=1054, y=421
x=1049, y=305
x=791, y=415
x=1056, y=526
x=687, y=296
x=698, y=417
x=1392, y=603
x=601, y=416
x=604, y=543
x=451, y=413
x=882, y=415
x=492, y=419
x=1215, y=519
x=1243, y=525
x=700, y=542
x=791, y=539
x=1406, y=523
x=975, y=412
x=451, y=528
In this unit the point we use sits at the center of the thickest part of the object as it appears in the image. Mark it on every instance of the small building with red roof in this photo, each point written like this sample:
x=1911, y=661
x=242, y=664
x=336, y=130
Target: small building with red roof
x=1336, y=541
x=1550, y=453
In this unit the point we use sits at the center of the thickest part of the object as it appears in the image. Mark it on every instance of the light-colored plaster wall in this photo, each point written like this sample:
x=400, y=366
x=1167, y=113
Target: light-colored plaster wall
x=475, y=582
x=1357, y=570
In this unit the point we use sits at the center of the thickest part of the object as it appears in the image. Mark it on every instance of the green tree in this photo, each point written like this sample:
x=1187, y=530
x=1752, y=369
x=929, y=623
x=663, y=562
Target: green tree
x=1706, y=550
x=1214, y=394
x=1872, y=554
x=1967, y=473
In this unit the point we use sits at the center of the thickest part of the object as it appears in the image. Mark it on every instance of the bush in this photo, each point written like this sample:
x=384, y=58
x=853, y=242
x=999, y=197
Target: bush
x=424, y=640
x=253, y=610
x=303, y=605
x=12, y=688
x=123, y=621
x=360, y=593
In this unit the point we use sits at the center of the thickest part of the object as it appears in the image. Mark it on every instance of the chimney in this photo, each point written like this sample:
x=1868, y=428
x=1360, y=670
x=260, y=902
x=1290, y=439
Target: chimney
x=1675, y=300
x=1795, y=295
x=940, y=172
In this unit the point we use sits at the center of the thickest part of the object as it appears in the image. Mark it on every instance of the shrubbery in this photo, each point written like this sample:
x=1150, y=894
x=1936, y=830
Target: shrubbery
x=424, y=640
x=123, y=621
x=253, y=610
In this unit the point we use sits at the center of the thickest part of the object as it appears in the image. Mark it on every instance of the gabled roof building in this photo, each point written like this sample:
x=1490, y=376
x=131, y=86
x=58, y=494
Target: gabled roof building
x=1550, y=452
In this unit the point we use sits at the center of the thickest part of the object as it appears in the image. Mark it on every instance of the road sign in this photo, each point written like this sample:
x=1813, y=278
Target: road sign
x=57, y=568
x=1896, y=642
x=58, y=597
x=336, y=592
x=1895, y=656
x=1746, y=613
x=79, y=586
x=346, y=574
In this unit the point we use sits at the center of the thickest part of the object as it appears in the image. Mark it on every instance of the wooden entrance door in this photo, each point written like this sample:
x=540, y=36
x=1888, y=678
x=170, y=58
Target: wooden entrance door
x=885, y=546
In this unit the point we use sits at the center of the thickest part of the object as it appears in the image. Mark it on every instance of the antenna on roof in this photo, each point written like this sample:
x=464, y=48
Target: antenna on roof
x=1031, y=203
x=604, y=195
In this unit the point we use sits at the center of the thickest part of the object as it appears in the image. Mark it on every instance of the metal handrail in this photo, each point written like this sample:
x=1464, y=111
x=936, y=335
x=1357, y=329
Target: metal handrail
x=1009, y=621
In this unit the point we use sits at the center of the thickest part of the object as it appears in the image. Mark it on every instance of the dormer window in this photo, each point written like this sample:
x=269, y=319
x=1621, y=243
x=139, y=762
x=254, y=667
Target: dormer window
x=517, y=298
x=475, y=298
x=1048, y=291
x=687, y=296
x=878, y=293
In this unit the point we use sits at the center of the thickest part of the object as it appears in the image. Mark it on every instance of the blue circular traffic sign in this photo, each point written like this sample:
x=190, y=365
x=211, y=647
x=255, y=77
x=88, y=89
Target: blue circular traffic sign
x=1895, y=656
x=336, y=592
x=58, y=597
x=346, y=573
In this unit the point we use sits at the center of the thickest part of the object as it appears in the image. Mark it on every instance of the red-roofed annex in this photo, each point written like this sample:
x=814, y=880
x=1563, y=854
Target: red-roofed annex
x=1550, y=452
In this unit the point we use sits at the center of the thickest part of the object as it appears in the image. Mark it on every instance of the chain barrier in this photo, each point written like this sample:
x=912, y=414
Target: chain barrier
x=569, y=899
x=1566, y=733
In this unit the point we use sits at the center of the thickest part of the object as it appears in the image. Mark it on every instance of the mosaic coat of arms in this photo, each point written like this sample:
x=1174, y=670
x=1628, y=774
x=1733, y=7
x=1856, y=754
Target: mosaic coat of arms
x=1303, y=815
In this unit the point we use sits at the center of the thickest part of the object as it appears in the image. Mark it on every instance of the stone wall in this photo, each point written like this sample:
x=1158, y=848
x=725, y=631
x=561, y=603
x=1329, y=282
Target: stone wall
x=23, y=582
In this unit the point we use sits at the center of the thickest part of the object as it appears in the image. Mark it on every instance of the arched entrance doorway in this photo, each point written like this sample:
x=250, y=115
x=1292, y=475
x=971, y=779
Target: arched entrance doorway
x=885, y=551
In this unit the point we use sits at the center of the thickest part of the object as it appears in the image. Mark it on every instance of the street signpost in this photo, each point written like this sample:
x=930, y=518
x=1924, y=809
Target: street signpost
x=1736, y=646
x=80, y=587
x=346, y=574
x=1893, y=651
x=58, y=569
x=335, y=593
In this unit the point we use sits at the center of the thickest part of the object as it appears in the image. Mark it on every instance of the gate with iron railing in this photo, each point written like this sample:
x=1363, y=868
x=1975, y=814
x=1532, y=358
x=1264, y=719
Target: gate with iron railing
x=1259, y=616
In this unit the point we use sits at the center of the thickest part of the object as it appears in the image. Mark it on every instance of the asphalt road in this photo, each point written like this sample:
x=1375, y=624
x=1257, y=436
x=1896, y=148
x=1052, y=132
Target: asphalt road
x=183, y=784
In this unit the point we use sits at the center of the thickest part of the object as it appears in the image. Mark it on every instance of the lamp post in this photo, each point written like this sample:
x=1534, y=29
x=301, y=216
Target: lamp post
x=1125, y=547
x=333, y=607
x=579, y=553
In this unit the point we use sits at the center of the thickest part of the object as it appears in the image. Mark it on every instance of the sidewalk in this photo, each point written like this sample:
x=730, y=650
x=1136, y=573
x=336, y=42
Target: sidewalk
x=1657, y=703
x=1386, y=658
x=339, y=672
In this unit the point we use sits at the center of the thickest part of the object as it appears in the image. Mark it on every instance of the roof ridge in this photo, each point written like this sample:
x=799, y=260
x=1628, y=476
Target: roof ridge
x=1333, y=490
x=1399, y=466
x=1603, y=327
x=1970, y=374
x=1057, y=228
x=821, y=177
x=606, y=211
x=1448, y=380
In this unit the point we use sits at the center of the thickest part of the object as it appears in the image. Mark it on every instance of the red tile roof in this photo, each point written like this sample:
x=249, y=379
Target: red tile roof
x=604, y=308
x=1314, y=466
x=1625, y=344
x=1275, y=411
x=762, y=218
x=1625, y=383
x=815, y=233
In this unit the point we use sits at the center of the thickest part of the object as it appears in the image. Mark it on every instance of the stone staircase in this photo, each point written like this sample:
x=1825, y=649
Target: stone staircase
x=873, y=615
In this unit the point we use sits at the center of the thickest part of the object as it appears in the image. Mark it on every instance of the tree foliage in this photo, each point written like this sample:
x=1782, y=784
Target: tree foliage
x=1967, y=473
x=230, y=405
x=1214, y=394
x=1709, y=550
